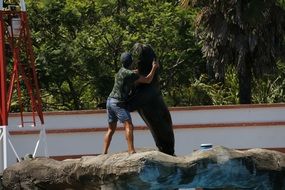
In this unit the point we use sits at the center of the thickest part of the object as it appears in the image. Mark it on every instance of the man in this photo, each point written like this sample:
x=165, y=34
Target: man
x=125, y=79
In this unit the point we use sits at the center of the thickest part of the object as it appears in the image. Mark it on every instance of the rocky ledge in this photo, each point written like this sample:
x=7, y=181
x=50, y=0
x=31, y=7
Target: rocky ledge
x=218, y=167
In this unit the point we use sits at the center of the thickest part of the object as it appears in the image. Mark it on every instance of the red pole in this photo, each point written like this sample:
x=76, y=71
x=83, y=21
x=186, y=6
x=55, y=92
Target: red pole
x=3, y=85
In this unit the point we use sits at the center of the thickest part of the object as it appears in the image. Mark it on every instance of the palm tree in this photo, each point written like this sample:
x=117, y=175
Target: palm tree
x=246, y=33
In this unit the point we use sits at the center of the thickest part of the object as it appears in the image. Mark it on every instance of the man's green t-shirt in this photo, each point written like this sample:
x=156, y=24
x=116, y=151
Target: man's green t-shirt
x=124, y=81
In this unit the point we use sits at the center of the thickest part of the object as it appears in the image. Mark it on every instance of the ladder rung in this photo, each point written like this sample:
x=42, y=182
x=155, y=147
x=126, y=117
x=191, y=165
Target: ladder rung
x=28, y=122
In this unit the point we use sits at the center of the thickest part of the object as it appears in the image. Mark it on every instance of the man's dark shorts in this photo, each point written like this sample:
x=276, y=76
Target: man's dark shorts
x=115, y=112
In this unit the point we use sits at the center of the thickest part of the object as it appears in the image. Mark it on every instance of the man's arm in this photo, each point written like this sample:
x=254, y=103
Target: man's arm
x=147, y=79
x=136, y=71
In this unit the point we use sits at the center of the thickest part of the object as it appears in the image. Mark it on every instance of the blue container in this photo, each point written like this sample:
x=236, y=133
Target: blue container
x=206, y=146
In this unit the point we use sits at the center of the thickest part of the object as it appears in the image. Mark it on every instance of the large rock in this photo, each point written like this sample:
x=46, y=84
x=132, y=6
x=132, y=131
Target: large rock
x=150, y=169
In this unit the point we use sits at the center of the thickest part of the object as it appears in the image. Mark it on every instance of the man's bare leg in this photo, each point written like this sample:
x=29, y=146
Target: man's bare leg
x=129, y=128
x=108, y=136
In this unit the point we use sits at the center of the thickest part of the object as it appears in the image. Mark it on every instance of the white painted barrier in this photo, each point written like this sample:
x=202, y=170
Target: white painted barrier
x=81, y=132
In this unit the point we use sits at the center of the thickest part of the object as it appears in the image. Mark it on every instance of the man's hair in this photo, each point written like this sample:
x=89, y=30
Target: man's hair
x=126, y=59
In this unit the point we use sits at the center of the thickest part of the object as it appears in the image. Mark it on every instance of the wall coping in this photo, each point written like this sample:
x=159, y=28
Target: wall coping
x=186, y=108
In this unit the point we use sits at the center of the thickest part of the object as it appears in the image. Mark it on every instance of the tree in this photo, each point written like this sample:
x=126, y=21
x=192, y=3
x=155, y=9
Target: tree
x=169, y=29
x=78, y=44
x=56, y=50
x=246, y=33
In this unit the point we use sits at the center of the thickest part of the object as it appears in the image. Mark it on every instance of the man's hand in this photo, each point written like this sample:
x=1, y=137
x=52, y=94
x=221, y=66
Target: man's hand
x=149, y=77
x=155, y=64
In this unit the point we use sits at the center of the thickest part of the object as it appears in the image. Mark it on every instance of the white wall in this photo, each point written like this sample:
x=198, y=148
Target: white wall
x=234, y=127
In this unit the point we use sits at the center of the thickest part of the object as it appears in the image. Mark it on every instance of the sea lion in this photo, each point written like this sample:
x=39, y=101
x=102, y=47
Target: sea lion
x=148, y=101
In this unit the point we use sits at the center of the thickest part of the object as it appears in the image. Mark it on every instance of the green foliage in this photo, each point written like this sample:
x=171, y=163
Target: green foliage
x=78, y=43
x=170, y=31
x=270, y=89
x=203, y=92
x=73, y=58
x=223, y=93
x=193, y=95
x=249, y=34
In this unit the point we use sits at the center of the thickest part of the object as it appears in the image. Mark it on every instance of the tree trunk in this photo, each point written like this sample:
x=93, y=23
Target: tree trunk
x=245, y=80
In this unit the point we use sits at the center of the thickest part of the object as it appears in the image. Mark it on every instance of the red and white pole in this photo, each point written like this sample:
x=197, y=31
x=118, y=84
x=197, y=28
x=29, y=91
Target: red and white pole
x=23, y=5
x=3, y=89
x=3, y=71
x=15, y=34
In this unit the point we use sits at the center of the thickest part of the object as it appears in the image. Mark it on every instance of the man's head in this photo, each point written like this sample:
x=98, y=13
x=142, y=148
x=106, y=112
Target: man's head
x=126, y=59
